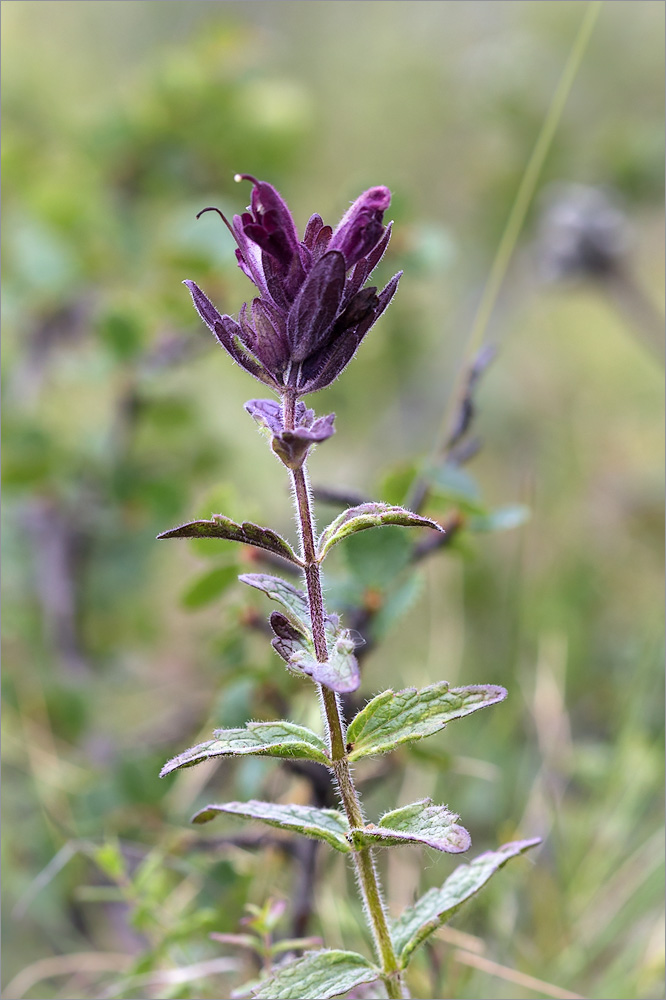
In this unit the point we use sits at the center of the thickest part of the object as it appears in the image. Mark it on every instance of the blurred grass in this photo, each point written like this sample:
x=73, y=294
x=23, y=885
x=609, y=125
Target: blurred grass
x=121, y=121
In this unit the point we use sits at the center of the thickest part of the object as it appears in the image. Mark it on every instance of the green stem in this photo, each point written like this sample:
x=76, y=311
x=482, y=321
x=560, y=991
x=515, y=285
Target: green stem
x=366, y=871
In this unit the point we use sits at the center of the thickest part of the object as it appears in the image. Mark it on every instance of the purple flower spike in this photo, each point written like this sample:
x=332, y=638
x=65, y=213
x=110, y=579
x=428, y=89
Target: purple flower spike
x=312, y=311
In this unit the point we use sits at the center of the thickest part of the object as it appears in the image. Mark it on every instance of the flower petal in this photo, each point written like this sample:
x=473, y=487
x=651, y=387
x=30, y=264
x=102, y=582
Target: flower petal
x=360, y=228
x=271, y=226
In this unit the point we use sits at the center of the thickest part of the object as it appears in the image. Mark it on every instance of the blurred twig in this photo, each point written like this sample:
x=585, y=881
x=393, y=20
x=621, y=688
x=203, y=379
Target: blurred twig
x=517, y=215
x=513, y=976
x=91, y=963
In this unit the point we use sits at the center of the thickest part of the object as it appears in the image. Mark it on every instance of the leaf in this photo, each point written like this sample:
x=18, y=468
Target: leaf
x=437, y=906
x=375, y=558
x=453, y=484
x=209, y=586
x=295, y=944
x=420, y=822
x=324, y=824
x=369, y=515
x=110, y=859
x=501, y=519
x=340, y=672
x=400, y=717
x=295, y=644
x=264, y=739
x=291, y=598
x=246, y=533
x=321, y=974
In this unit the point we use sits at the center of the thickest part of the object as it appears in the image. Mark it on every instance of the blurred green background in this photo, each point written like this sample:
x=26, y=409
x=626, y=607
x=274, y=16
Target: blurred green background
x=122, y=418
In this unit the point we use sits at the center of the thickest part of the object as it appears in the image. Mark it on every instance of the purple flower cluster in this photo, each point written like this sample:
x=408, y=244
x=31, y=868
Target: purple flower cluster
x=312, y=310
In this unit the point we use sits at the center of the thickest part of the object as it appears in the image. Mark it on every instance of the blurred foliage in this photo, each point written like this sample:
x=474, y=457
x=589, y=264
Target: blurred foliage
x=121, y=418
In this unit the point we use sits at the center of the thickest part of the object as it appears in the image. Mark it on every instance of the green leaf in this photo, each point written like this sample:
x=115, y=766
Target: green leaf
x=501, y=519
x=403, y=716
x=375, y=558
x=294, y=944
x=110, y=859
x=320, y=974
x=222, y=496
x=291, y=598
x=437, y=906
x=246, y=533
x=453, y=484
x=420, y=822
x=265, y=739
x=324, y=824
x=209, y=586
x=369, y=515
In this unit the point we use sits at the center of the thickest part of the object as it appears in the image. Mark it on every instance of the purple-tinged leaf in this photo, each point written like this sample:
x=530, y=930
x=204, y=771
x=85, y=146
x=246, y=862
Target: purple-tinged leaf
x=315, y=307
x=267, y=413
x=355, y=281
x=312, y=230
x=395, y=717
x=283, y=628
x=321, y=243
x=324, y=824
x=230, y=335
x=291, y=598
x=262, y=739
x=385, y=297
x=322, y=368
x=369, y=515
x=204, y=306
x=292, y=447
x=420, y=822
x=362, y=305
x=246, y=533
x=374, y=257
x=340, y=672
x=270, y=344
x=437, y=906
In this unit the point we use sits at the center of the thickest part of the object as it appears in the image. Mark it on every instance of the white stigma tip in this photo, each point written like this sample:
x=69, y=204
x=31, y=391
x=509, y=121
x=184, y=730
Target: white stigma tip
x=238, y=178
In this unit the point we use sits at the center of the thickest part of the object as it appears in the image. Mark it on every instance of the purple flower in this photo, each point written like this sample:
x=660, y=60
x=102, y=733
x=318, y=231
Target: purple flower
x=312, y=310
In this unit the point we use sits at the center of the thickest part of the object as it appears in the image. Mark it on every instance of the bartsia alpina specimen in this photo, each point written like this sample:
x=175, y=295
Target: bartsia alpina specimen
x=312, y=310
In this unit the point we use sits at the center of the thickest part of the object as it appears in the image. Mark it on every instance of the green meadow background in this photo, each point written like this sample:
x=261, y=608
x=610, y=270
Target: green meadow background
x=122, y=418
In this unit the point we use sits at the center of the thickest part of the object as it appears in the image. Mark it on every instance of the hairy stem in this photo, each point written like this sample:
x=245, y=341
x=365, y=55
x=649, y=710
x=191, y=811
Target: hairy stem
x=366, y=871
